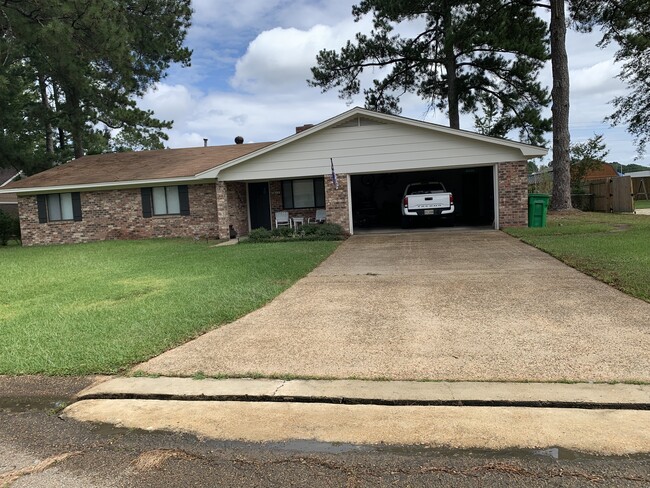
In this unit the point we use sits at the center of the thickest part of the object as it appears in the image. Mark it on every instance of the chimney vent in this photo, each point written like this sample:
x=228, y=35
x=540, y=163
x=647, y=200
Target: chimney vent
x=205, y=142
x=239, y=140
x=303, y=127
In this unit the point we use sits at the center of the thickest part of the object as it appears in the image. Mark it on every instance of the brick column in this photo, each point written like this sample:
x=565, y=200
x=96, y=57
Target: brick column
x=336, y=201
x=237, y=207
x=222, y=210
x=513, y=194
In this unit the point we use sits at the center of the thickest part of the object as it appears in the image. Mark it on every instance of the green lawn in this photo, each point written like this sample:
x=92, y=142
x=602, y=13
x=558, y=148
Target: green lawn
x=614, y=248
x=642, y=203
x=101, y=307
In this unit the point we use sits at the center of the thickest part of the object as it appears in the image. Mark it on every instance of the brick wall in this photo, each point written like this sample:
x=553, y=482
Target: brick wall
x=117, y=214
x=338, y=207
x=513, y=194
x=275, y=188
x=336, y=202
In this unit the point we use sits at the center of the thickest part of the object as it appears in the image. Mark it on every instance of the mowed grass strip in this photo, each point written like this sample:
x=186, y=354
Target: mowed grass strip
x=101, y=307
x=642, y=204
x=613, y=248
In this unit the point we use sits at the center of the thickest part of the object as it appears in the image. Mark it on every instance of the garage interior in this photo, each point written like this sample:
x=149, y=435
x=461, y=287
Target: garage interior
x=377, y=197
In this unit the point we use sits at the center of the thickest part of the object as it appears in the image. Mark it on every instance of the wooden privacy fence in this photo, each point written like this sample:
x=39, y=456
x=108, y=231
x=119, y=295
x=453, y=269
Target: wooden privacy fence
x=612, y=194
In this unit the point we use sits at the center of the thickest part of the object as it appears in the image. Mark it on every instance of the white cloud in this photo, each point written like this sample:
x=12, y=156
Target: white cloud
x=596, y=79
x=252, y=59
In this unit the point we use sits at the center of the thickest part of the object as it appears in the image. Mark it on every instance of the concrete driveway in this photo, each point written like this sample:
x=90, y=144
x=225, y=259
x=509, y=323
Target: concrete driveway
x=448, y=305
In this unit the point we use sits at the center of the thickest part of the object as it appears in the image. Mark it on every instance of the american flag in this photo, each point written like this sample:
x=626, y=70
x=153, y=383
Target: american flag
x=335, y=181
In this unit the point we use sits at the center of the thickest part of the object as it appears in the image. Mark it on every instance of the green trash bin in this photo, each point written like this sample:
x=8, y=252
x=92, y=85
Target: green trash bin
x=537, y=206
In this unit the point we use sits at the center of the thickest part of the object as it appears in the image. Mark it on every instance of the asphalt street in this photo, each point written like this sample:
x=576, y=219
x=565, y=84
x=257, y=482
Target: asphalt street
x=38, y=448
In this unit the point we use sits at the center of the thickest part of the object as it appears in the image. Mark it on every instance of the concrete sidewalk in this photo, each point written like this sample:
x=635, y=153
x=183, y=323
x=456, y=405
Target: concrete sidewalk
x=594, y=418
x=581, y=395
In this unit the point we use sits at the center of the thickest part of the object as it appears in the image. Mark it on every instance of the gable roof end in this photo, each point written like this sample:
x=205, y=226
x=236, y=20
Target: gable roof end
x=527, y=150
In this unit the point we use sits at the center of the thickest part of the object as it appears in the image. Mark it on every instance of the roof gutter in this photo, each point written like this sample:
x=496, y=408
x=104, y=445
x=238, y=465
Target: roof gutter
x=112, y=185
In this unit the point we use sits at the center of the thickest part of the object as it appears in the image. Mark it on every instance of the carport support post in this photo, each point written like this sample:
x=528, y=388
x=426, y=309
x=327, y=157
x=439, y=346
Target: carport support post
x=337, y=201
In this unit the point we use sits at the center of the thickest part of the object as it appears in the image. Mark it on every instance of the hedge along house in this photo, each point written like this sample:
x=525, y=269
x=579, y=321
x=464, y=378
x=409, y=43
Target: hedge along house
x=207, y=191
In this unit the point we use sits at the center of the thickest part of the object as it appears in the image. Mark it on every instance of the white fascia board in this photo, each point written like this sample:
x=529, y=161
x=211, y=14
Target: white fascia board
x=527, y=150
x=113, y=185
x=12, y=178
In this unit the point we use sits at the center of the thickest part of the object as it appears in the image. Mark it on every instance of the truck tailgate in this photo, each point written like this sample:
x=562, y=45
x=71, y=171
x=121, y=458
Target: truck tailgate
x=427, y=202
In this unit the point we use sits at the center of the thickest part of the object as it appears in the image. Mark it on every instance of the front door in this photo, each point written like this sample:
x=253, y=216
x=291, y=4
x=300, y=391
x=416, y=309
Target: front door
x=259, y=205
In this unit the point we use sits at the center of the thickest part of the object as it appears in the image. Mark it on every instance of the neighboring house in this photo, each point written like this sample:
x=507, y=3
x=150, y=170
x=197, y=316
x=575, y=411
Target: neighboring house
x=604, y=170
x=205, y=191
x=8, y=201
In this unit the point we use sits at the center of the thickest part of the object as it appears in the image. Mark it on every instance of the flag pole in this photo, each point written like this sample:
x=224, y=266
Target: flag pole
x=335, y=180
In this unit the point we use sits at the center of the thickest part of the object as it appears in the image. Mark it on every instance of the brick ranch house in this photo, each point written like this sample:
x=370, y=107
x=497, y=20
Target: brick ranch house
x=206, y=191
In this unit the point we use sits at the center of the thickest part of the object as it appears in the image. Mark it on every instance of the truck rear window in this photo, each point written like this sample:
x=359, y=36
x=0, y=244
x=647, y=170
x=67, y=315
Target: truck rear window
x=420, y=189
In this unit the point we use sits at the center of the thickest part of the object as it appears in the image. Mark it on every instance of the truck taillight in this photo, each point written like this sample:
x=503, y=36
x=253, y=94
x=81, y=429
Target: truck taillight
x=406, y=202
x=451, y=198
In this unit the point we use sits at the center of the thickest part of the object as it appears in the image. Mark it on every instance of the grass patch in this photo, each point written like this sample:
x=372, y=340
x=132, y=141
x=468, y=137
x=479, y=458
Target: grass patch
x=610, y=247
x=641, y=203
x=102, y=307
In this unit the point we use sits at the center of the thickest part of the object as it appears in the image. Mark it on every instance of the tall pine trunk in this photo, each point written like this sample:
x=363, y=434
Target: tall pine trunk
x=57, y=101
x=561, y=199
x=45, y=102
x=77, y=122
x=450, y=67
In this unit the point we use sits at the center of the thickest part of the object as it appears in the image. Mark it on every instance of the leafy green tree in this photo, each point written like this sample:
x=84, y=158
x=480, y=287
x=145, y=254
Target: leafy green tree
x=587, y=156
x=631, y=168
x=627, y=23
x=468, y=56
x=90, y=60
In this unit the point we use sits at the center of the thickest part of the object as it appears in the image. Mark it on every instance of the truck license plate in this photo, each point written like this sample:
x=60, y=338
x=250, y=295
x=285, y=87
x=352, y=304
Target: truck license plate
x=428, y=212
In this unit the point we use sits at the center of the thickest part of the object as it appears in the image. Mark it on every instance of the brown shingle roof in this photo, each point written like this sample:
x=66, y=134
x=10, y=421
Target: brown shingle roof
x=605, y=170
x=139, y=165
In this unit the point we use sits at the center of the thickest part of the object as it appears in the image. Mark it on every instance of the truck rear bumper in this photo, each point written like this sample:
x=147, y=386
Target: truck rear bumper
x=424, y=212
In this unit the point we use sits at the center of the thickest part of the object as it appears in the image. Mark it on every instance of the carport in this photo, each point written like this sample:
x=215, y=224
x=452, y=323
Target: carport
x=377, y=197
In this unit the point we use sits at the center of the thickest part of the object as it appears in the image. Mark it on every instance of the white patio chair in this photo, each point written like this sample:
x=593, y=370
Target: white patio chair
x=282, y=218
x=321, y=217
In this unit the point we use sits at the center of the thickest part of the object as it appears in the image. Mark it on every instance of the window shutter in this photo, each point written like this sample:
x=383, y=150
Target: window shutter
x=184, y=199
x=42, y=209
x=76, y=206
x=146, y=202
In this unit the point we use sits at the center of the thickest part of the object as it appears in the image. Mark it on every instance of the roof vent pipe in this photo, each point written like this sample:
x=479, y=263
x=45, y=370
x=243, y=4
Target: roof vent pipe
x=239, y=140
x=205, y=142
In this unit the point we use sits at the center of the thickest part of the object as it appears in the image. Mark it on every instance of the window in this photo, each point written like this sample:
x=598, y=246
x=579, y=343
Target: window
x=58, y=207
x=307, y=193
x=165, y=200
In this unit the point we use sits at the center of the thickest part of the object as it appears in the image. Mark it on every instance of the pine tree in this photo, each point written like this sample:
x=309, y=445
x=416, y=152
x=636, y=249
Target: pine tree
x=91, y=59
x=469, y=56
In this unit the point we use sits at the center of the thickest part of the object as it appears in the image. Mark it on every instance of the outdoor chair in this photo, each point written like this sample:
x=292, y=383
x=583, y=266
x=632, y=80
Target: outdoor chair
x=321, y=217
x=282, y=218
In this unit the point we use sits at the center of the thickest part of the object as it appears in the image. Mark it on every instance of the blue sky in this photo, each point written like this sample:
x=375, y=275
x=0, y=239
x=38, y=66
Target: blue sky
x=252, y=57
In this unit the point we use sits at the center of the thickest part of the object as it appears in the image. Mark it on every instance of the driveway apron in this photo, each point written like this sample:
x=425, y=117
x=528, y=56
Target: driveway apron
x=448, y=305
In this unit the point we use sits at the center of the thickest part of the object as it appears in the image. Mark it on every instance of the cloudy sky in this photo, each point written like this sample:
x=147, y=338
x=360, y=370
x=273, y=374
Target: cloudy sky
x=252, y=57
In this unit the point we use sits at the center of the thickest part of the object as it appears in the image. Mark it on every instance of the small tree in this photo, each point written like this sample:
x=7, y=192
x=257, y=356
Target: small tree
x=586, y=156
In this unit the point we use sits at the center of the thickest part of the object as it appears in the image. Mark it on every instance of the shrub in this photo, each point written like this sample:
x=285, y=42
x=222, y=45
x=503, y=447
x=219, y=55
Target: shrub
x=260, y=234
x=284, y=232
x=308, y=232
x=9, y=228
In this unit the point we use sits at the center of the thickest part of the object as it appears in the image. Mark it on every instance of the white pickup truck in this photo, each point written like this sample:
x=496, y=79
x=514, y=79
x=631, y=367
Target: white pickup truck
x=429, y=199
